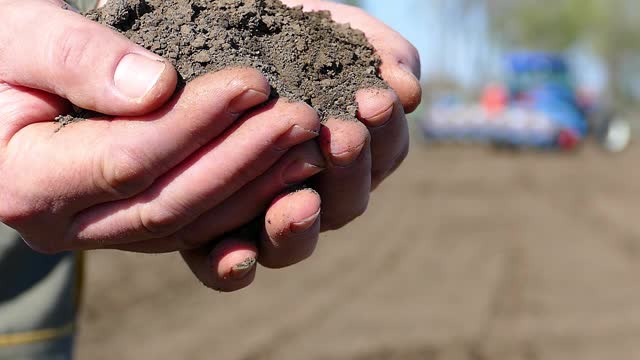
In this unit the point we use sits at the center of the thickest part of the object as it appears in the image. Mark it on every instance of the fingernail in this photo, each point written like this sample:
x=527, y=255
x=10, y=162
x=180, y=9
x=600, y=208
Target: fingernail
x=304, y=225
x=379, y=119
x=246, y=100
x=346, y=157
x=299, y=171
x=296, y=135
x=137, y=74
x=241, y=270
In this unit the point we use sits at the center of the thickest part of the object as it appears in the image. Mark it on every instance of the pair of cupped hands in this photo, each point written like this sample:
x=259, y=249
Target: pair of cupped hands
x=187, y=171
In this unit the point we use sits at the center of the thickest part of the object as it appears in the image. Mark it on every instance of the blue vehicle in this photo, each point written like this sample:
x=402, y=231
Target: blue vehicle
x=537, y=106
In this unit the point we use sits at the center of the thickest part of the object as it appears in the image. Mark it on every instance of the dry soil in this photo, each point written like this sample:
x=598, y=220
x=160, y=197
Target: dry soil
x=465, y=254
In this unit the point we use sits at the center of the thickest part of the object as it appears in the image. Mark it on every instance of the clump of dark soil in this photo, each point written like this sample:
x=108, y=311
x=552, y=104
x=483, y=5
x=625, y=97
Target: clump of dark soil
x=305, y=56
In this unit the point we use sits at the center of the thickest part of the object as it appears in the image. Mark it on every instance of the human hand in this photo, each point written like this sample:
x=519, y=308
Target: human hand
x=133, y=178
x=359, y=156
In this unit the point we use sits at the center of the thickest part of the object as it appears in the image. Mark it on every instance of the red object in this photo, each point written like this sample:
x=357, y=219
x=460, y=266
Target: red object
x=494, y=99
x=567, y=139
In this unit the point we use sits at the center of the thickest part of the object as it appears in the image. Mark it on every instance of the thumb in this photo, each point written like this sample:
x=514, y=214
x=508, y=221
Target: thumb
x=89, y=64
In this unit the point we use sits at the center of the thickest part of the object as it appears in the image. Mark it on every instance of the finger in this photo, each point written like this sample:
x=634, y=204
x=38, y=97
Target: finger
x=345, y=185
x=382, y=112
x=292, y=227
x=202, y=182
x=16, y=105
x=298, y=165
x=128, y=155
x=20, y=105
x=400, y=66
x=68, y=55
x=138, y=151
x=229, y=266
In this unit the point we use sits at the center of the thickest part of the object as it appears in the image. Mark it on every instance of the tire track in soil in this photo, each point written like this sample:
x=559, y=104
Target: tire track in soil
x=381, y=265
x=384, y=260
x=507, y=301
x=564, y=284
x=511, y=303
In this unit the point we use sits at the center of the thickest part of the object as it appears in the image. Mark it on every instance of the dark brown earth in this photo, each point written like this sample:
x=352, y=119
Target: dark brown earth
x=305, y=56
x=465, y=254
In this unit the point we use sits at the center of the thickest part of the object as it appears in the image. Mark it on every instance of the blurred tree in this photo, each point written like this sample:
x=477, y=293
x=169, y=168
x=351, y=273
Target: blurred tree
x=611, y=27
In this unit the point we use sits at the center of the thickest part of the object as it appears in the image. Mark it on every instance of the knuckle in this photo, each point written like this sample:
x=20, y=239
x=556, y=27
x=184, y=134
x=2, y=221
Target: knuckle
x=295, y=113
x=124, y=173
x=161, y=220
x=70, y=48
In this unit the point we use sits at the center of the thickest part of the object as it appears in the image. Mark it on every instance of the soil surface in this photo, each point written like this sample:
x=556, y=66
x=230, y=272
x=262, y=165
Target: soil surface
x=464, y=254
x=305, y=56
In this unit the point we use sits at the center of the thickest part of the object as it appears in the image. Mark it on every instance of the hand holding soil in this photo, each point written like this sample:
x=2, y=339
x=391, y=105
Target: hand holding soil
x=359, y=154
x=194, y=168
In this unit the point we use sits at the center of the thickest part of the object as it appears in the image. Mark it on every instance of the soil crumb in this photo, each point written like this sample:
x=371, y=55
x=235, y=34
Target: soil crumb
x=305, y=55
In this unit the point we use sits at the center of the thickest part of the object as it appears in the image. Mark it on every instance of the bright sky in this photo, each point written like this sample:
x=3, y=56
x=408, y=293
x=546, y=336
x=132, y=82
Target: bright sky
x=459, y=47
x=457, y=51
x=411, y=19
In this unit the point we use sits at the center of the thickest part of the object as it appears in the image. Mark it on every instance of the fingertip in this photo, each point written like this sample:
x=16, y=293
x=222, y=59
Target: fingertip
x=292, y=227
x=343, y=141
x=375, y=106
x=291, y=123
x=405, y=84
x=307, y=162
x=243, y=88
x=253, y=87
x=233, y=265
x=291, y=212
x=249, y=77
x=233, y=258
x=230, y=265
x=301, y=114
x=152, y=98
x=309, y=119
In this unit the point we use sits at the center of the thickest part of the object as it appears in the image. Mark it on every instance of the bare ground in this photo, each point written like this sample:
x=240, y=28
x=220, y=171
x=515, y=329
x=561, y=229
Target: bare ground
x=466, y=253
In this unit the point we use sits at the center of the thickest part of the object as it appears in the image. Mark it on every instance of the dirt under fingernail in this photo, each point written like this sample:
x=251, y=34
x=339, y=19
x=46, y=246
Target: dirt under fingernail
x=242, y=270
x=304, y=55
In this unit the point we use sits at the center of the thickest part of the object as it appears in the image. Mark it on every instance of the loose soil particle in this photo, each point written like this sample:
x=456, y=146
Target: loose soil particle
x=305, y=56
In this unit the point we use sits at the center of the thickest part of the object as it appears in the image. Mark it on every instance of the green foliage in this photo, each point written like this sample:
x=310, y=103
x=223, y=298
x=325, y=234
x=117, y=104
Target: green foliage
x=551, y=26
x=611, y=27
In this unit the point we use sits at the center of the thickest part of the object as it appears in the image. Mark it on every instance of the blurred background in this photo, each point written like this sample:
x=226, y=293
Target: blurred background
x=510, y=232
